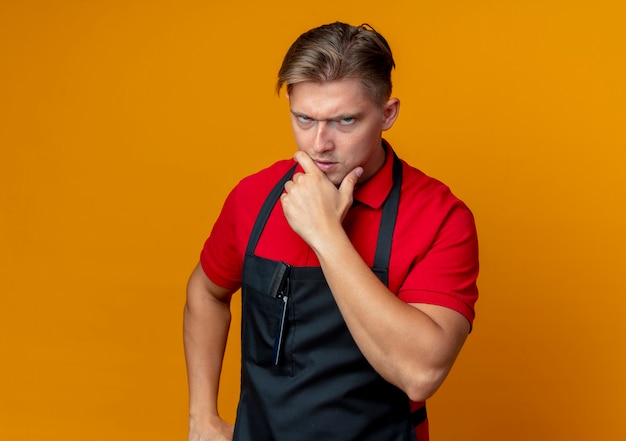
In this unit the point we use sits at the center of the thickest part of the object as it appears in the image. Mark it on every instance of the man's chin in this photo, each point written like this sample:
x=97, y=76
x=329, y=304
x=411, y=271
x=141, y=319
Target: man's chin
x=335, y=178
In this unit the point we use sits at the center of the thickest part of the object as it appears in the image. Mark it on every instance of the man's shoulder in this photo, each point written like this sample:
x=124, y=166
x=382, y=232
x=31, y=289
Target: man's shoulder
x=430, y=191
x=419, y=184
x=247, y=197
x=416, y=180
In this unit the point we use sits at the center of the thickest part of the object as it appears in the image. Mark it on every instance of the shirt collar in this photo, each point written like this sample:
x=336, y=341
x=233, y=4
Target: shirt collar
x=376, y=189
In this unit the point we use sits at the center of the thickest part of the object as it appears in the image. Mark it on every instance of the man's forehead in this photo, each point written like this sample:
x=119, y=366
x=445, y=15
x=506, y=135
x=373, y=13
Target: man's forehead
x=329, y=99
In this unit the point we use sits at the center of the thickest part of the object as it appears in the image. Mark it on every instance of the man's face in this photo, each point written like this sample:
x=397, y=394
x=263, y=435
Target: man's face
x=339, y=126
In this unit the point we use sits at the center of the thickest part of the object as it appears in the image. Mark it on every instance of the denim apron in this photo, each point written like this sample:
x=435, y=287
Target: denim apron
x=303, y=378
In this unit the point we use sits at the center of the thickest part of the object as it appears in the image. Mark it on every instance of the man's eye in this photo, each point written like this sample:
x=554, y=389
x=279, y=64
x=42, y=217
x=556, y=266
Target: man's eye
x=347, y=121
x=303, y=119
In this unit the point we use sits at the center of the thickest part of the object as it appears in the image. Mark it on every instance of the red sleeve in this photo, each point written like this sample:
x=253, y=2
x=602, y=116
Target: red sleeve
x=447, y=273
x=220, y=258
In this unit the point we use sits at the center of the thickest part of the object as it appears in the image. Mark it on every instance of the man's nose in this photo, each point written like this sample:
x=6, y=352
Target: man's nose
x=323, y=137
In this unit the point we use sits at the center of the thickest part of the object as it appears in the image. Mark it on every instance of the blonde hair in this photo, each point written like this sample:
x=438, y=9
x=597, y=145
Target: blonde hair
x=338, y=51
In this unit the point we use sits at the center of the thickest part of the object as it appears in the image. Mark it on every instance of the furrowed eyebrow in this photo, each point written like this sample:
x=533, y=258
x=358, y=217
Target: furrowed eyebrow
x=300, y=114
x=332, y=119
x=340, y=117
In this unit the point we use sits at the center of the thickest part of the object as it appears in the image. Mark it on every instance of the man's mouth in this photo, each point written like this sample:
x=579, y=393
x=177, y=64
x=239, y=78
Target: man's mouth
x=325, y=166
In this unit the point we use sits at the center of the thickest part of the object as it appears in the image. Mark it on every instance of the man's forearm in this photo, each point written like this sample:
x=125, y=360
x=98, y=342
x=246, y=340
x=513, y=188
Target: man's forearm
x=206, y=323
x=410, y=347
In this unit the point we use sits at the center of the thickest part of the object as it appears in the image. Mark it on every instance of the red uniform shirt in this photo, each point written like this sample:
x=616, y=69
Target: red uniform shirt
x=434, y=255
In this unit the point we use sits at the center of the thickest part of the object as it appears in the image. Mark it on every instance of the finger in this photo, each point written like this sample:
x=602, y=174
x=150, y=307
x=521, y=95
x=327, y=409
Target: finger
x=349, y=181
x=306, y=162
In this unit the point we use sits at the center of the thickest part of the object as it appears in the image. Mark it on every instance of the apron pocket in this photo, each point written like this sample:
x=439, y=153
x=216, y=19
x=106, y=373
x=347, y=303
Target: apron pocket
x=267, y=330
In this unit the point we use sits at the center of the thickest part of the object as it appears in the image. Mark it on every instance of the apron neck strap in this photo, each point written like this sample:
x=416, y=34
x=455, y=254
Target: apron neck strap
x=388, y=218
x=266, y=209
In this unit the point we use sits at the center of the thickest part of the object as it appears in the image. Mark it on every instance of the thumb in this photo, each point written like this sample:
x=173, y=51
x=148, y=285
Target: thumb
x=349, y=181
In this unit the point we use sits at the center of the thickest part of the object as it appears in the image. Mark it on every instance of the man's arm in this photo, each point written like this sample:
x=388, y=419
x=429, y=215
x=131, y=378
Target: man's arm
x=413, y=346
x=206, y=323
x=410, y=345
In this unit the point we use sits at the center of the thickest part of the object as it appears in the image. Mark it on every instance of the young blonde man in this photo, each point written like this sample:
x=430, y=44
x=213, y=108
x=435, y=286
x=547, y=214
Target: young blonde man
x=358, y=272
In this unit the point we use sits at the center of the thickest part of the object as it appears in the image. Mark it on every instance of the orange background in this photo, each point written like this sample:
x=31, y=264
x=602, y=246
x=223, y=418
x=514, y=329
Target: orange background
x=123, y=125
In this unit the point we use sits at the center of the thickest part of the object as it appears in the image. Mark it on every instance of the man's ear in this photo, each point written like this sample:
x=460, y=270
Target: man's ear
x=391, y=109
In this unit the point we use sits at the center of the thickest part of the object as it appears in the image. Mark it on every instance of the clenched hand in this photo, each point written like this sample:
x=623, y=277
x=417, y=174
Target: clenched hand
x=313, y=205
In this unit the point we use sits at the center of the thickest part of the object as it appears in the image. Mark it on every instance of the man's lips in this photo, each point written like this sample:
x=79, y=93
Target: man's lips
x=325, y=166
